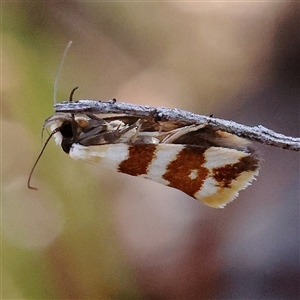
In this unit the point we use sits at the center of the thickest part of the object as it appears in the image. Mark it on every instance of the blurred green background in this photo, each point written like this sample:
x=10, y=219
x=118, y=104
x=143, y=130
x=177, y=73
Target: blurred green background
x=93, y=234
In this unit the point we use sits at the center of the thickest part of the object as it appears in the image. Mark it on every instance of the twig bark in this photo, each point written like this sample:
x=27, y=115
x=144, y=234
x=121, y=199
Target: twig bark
x=256, y=133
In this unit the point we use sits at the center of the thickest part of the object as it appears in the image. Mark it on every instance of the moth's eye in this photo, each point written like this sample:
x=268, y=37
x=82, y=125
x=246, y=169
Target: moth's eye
x=66, y=130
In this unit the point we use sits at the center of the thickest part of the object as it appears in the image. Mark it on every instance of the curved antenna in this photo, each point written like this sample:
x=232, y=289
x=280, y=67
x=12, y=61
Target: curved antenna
x=41, y=153
x=59, y=70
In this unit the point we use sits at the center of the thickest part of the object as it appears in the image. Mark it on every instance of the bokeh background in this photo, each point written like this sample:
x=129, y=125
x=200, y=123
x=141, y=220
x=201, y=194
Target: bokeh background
x=89, y=233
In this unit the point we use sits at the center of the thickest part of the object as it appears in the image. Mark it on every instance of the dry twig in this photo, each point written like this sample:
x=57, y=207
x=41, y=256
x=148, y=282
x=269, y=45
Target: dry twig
x=256, y=133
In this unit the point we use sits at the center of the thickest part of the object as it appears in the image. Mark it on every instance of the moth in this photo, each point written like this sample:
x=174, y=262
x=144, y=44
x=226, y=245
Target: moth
x=207, y=158
x=207, y=164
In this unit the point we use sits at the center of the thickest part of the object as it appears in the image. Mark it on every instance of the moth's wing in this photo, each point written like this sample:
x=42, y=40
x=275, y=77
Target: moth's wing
x=213, y=175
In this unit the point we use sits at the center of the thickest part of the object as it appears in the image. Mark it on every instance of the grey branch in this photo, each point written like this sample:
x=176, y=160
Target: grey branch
x=256, y=133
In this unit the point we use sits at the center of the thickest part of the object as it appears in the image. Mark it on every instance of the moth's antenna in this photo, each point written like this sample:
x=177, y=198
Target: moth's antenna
x=41, y=153
x=59, y=70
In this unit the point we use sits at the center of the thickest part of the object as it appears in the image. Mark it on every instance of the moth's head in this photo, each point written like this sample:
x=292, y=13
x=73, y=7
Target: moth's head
x=66, y=129
x=63, y=126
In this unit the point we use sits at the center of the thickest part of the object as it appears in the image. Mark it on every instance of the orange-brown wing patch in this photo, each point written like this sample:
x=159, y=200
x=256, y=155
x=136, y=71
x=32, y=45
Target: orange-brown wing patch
x=186, y=172
x=139, y=158
x=226, y=174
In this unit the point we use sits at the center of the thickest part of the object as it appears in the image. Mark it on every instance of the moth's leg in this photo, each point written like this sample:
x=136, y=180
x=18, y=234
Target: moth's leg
x=110, y=133
x=177, y=133
x=164, y=137
x=117, y=135
x=145, y=137
x=138, y=124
